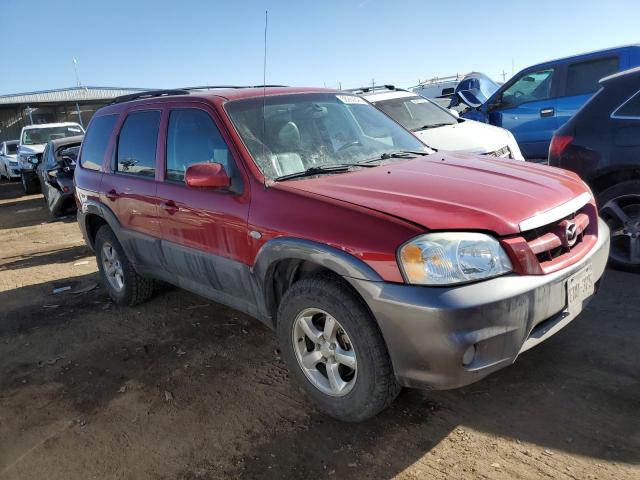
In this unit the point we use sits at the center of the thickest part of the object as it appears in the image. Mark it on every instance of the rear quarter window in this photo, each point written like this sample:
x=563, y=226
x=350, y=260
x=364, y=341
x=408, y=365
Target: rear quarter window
x=630, y=108
x=96, y=141
x=584, y=77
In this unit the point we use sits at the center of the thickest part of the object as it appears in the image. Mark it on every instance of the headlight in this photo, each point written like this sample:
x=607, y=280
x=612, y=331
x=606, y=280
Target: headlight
x=452, y=257
x=27, y=161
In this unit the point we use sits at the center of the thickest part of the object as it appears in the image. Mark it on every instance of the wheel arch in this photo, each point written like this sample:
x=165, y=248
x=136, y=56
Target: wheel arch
x=283, y=261
x=605, y=179
x=92, y=216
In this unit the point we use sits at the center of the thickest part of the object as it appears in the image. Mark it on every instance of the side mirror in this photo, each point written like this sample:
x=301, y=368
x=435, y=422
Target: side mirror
x=454, y=113
x=207, y=175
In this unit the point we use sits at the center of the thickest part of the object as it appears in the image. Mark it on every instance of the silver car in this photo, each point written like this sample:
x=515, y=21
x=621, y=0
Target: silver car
x=9, y=166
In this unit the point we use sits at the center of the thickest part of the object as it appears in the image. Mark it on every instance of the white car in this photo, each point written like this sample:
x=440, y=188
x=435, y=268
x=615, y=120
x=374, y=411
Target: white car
x=33, y=139
x=439, y=127
x=9, y=166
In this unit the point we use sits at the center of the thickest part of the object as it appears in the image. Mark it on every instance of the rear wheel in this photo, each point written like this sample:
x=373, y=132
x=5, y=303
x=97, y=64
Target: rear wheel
x=620, y=208
x=334, y=349
x=123, y=283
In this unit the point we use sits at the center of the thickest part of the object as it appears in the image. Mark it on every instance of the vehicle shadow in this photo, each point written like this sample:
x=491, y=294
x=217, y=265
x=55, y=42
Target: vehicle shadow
x=577, y=393
x=47, y=257
x=10, y=190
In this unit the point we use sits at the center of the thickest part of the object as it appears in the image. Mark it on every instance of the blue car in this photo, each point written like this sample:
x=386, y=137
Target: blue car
x=540, y=99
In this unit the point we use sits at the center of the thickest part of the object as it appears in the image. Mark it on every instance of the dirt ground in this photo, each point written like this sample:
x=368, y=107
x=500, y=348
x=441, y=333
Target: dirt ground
x=184, y=388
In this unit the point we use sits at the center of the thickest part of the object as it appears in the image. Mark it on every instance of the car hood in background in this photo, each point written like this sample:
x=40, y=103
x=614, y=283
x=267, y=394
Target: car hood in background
x=466, y=136
x=451, y=191
x=32, y=149
x=475, y=89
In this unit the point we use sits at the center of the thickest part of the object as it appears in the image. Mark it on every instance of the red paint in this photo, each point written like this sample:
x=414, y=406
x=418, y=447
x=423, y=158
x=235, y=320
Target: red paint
x=207, y=175
x=368, y=213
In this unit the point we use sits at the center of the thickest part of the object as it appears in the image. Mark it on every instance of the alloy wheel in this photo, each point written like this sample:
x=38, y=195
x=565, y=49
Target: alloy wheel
x=112, y=267
x=622, y=214
x=324, y=352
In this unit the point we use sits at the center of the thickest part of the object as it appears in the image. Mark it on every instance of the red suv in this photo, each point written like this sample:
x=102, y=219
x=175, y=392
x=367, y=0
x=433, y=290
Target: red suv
x=380, y=263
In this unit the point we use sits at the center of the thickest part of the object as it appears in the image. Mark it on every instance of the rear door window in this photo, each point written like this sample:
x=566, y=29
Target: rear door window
x=96, y=141
x=583, y=77
x=193, y=137
x=137, y=142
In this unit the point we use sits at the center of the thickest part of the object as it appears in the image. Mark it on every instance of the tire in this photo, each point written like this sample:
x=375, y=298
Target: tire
x=372, y=385
x=55, y=212
x=29, y=186
x=620, y=208
x=133, y=289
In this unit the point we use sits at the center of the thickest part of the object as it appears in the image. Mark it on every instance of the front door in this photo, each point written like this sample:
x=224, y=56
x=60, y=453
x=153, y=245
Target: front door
x=204, y=230
x=527, y=107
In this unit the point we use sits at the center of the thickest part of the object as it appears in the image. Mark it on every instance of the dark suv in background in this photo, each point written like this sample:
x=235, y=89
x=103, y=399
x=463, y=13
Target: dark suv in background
x=602, y=144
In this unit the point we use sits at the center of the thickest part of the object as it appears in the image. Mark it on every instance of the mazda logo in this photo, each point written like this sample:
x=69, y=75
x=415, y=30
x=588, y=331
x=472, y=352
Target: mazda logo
x=571, y=234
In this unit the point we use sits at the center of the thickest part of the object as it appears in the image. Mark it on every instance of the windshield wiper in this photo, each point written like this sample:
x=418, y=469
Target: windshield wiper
x=319, y=170
x=432, y=125
x=398, y=154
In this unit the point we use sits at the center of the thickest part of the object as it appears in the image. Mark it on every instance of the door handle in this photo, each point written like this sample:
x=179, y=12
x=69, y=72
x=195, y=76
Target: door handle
x=169, y=206
x=547, y=112
x=112, y=195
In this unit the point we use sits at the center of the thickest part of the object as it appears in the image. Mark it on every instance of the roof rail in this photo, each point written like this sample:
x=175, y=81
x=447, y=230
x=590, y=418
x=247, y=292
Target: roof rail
x=149, y=94
x=213, y=87
x=372, y=89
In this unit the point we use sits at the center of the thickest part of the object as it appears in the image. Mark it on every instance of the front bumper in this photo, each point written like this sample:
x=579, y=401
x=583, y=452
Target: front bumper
x=428, y=329
x=14, y=171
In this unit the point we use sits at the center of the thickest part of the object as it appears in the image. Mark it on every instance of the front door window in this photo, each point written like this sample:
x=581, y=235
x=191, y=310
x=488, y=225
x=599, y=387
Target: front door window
x=530, y=87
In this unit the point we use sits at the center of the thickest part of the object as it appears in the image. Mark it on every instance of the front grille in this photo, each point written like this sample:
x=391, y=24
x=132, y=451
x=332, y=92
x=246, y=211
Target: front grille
x=554, y=241
x=504, y=152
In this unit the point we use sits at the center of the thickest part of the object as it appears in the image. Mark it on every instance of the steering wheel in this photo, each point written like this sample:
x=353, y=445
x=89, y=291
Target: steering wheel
x=350, y=144
x=517, y=94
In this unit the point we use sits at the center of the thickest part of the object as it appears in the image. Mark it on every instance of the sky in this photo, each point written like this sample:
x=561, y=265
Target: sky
x=349, y=43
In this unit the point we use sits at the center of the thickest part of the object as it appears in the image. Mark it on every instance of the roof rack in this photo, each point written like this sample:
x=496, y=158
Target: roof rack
x=213, y=87
x=149, y=94
x=372, y=89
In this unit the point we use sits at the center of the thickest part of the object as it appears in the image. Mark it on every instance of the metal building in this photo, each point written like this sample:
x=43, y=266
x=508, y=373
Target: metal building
x=77, y=104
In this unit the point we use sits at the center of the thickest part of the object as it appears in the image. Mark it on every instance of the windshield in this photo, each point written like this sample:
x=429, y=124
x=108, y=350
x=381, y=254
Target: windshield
x=35, y=136
x=12, y=148
x=416, y=113
x=302, y=131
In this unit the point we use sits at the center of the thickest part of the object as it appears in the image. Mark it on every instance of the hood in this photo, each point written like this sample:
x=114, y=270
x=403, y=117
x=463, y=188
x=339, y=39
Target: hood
x=452, y=191
x=31, y=149
x=466, y=136
x=475, y=89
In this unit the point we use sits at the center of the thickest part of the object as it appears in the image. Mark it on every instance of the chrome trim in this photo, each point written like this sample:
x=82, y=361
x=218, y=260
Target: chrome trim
x=556, y=213
x=624, y=117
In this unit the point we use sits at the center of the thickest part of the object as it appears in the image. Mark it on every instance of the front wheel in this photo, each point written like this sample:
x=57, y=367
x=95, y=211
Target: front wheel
x=620, y=208
x=28, y=185
x=334, y=349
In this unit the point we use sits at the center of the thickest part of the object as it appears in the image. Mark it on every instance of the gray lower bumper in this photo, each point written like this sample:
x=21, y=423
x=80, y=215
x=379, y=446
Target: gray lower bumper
x=427, y=330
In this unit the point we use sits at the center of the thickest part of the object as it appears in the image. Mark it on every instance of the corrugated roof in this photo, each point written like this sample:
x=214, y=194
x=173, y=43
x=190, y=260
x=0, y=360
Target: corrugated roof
x=74, y=94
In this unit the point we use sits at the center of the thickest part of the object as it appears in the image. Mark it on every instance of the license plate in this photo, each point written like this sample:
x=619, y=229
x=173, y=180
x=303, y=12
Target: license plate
x=580, y=286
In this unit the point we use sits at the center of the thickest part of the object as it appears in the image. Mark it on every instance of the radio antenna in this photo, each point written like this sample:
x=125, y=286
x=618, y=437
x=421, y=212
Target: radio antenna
x=264, y=91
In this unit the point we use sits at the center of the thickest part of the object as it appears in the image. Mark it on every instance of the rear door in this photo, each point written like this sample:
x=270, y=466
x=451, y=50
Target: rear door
x=204, y=230
x=527, y=107
x=130, y=188
x=580, y=80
